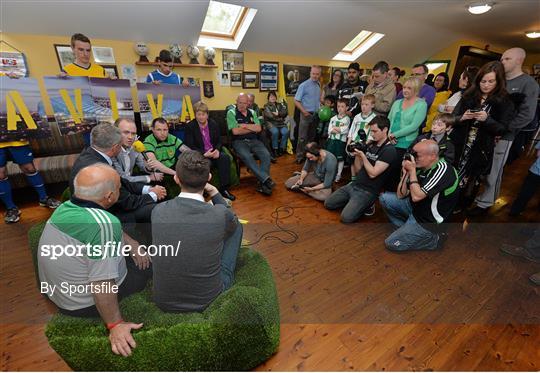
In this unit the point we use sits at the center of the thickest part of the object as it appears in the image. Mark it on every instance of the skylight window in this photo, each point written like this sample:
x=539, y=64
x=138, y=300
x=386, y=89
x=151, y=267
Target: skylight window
x=222, y=18
x=225, y=25
x=358, y=45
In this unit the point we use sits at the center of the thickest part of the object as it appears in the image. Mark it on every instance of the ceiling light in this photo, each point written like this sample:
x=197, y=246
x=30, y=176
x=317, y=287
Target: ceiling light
x=533, y=34
x=480, y=8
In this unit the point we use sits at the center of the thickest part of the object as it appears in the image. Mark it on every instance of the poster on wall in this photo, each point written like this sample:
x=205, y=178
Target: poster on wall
x=112, y=98
x=269, y=75
x=22, y=113
x=233, y=60
x=64, y=54
x=294, y=75
x=170, y=101
x=13, y=63
x=72, y=103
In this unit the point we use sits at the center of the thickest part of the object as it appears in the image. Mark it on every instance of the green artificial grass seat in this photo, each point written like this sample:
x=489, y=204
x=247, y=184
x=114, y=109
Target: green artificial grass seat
x=238, y=331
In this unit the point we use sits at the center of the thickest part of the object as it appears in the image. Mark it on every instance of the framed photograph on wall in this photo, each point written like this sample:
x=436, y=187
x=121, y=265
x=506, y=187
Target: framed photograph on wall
x=236, y=79
x=250, y=80
x=233, y=60
x=111, y=71
x=294, y=75
x=224, y=78
x=103, y=55
x=269, y=73
x=64, y=54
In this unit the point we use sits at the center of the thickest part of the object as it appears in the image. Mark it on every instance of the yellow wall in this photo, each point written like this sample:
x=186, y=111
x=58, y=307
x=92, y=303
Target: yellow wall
x=42, y=61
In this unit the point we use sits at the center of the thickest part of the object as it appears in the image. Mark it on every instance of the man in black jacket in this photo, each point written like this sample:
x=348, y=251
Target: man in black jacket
x=136, y=200
x=203, y=135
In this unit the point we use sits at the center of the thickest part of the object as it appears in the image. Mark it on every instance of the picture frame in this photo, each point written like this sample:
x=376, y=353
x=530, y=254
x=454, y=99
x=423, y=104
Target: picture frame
x=64, y=54
x=269, y=75
x=224, y=78
x=111, y=70
x=250, y=79
x=294, y=75
x=236, y=79
x=103, y=55
x=233, y=60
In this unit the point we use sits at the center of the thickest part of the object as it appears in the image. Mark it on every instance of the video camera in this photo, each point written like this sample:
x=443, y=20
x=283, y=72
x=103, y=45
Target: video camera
x=409, y=156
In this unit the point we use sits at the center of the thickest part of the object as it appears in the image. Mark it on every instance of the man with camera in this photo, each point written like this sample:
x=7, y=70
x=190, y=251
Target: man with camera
x=358, y=197
x=425, y=198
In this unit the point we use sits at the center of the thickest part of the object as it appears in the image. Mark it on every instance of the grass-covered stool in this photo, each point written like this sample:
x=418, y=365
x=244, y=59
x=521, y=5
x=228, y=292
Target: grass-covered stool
x=238, y=331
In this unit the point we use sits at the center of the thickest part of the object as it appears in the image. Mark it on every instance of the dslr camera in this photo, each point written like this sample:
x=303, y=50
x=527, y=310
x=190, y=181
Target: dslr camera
x=409, y=156
x=359, y=145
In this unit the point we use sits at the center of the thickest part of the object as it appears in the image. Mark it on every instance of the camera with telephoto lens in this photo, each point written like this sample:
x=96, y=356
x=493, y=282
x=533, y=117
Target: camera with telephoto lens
x=409, y=156
x=360, y=145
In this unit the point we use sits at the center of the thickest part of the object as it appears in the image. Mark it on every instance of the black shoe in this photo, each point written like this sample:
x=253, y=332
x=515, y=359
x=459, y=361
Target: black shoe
x=443, y=236
x=274, y=153
x=264, y=189
x=370, y=211
x=477, y=211
x=226, y=194
x=270, y=183
x=280, y=152
x=299, y=161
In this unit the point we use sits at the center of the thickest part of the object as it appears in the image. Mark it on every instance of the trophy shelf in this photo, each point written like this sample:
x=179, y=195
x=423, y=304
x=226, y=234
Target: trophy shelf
x=175, y=64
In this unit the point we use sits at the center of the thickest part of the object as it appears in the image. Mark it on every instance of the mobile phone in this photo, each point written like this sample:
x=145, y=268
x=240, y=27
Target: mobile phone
x=475, y=110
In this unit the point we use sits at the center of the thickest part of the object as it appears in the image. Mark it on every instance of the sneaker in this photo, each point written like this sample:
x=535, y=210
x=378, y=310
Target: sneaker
x=535, y=278
x=49, y=202
x=337, y=179
x=477, y=211
x=12, y=216
x=264, y=189
x=370, y=211
x=519, y=252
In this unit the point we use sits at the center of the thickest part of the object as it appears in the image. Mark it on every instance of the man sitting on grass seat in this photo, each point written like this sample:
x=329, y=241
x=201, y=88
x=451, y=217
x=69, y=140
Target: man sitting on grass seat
x=88, y=281
x=204, y=240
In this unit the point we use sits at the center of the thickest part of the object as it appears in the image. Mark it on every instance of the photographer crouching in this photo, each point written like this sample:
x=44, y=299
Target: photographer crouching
x=425, y=198
x=378, y=158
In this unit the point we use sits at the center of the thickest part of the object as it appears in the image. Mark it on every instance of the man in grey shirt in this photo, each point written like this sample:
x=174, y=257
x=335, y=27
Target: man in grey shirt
x=517, y=82
x=204, y=240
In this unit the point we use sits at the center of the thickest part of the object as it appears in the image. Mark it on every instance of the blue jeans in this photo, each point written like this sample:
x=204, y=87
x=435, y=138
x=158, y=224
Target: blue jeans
x=228, y=257
x=246, y=149
x=275, y=131
x=354, y=200
x=410, y=235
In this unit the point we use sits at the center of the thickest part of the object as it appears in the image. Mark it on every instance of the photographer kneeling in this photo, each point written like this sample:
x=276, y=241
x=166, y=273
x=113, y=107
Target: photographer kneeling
x=378, y=157
x=317, y=175
x=424, y=199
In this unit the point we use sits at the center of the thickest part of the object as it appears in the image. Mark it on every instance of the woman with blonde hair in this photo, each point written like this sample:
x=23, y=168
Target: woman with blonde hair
x=407, y=115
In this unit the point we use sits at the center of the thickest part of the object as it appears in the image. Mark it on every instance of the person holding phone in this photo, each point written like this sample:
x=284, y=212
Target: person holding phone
x=484, y=113
x=317, y=175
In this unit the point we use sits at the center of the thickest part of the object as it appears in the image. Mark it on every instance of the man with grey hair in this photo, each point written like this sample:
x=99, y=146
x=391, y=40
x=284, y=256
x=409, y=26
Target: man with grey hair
x=524, y=91
x=425, y=198
x=98, y=272
x=136, y=200
x=128, y=158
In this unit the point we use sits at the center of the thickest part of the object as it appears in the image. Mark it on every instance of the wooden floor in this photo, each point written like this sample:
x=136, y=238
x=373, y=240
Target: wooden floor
x=346, y=303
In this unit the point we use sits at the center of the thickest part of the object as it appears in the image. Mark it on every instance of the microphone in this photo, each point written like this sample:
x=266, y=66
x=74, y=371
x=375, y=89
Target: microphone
x=139, y=147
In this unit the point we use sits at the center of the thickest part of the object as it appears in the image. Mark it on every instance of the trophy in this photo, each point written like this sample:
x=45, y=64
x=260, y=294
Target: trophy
x=142, y=50
x=193, y=53
x=209, y=54
x=176, y=52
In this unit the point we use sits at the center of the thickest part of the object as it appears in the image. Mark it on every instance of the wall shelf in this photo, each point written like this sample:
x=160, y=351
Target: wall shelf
x=176, y=64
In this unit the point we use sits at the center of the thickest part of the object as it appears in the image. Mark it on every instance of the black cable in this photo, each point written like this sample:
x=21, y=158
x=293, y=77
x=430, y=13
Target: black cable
x=288, y=211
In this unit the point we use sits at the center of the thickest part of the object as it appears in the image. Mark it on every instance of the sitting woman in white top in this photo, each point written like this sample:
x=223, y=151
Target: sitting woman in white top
x=318, y=173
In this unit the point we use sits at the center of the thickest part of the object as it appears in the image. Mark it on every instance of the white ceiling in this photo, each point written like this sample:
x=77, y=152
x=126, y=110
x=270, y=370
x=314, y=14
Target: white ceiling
x=414, y=29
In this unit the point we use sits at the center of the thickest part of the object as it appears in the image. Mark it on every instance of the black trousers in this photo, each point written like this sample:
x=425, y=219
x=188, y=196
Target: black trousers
x=223, y=165
x=531, y=186
x=134, y=282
